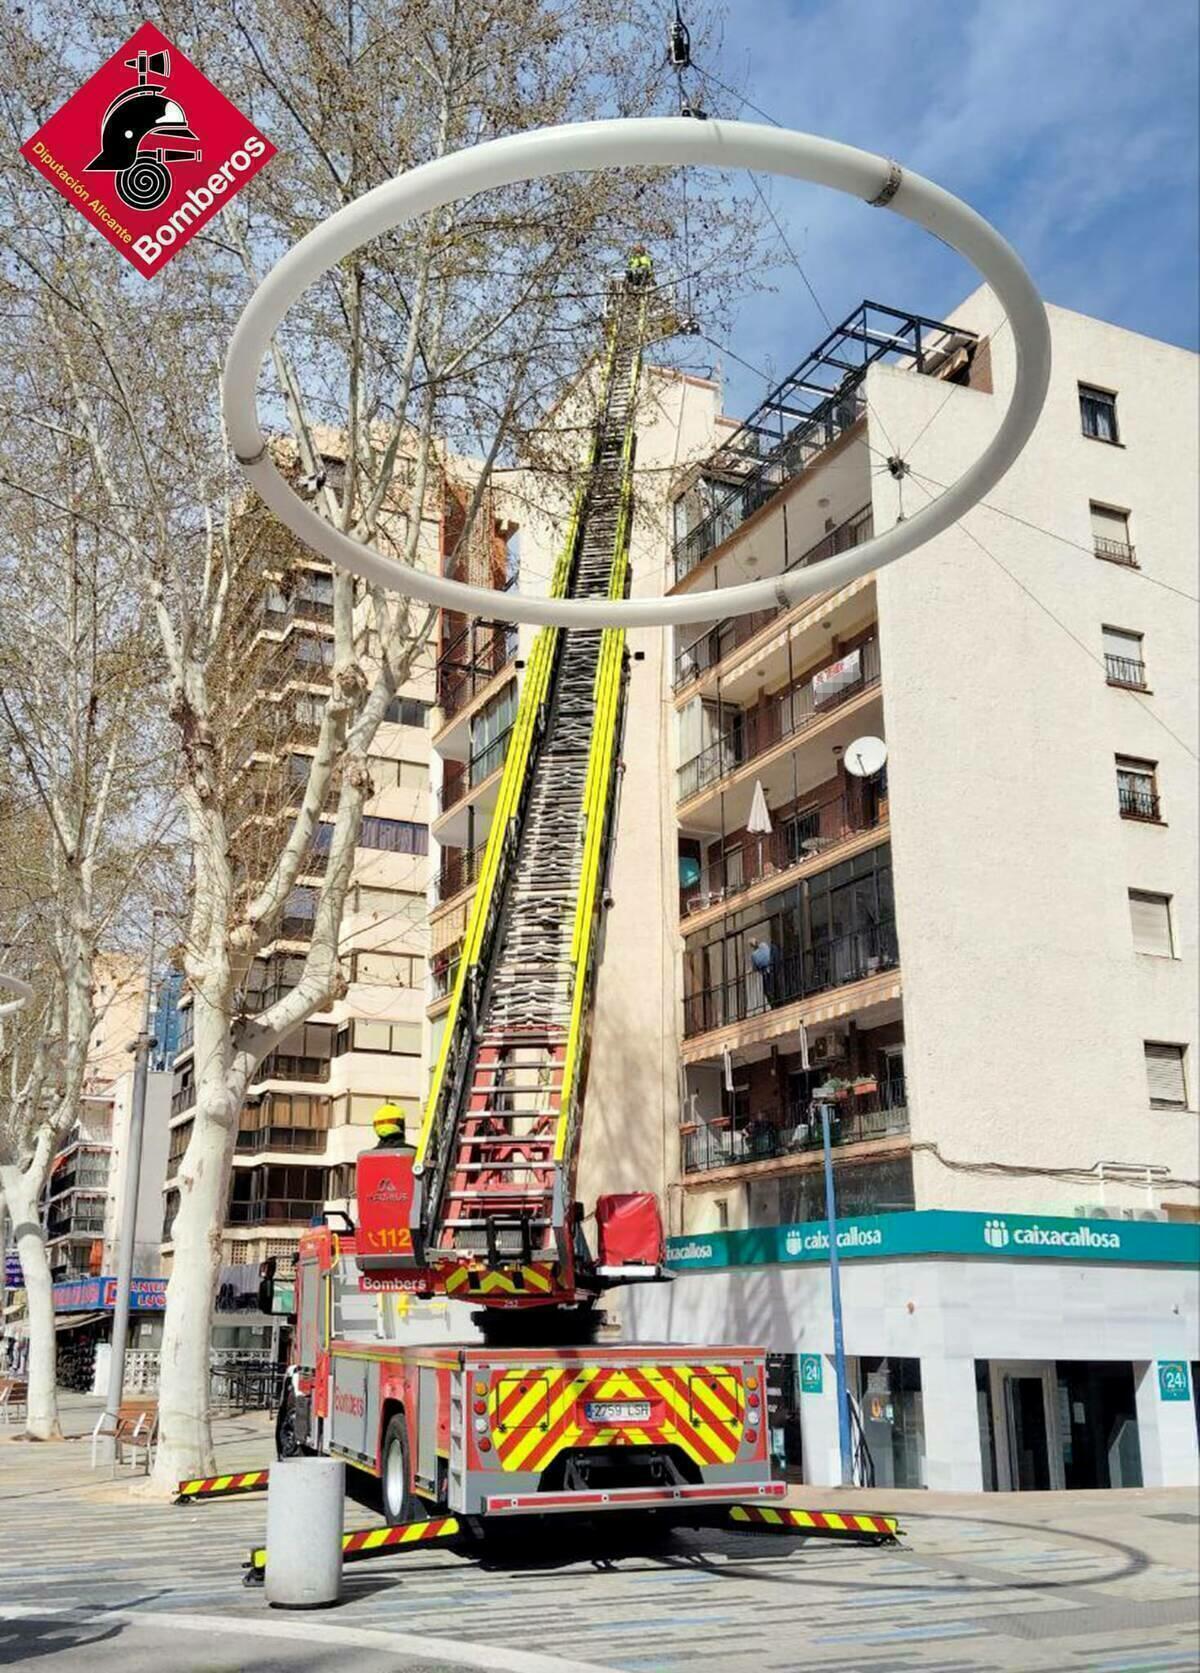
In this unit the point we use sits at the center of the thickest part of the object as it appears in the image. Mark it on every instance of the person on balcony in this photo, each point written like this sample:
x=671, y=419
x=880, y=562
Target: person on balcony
x=762, y=962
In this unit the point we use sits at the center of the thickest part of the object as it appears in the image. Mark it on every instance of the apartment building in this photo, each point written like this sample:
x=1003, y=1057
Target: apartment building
x=308, y=1110
x=983, y=954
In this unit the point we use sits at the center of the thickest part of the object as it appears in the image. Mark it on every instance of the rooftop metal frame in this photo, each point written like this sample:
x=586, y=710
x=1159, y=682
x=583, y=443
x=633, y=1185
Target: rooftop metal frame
x=808, y=410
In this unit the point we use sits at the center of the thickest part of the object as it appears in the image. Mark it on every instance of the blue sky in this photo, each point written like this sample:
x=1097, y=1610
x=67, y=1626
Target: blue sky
x=1070, y=124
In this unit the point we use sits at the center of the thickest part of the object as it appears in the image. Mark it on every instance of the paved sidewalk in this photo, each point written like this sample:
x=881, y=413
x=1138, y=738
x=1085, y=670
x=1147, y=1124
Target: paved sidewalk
x=1091, y=1583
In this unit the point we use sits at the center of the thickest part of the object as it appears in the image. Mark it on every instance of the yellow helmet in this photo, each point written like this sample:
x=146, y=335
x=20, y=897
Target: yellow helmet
x=388, y=1121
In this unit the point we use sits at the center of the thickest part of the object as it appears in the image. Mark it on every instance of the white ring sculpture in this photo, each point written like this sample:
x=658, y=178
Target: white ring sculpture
x=651, y=141
x=22, y=991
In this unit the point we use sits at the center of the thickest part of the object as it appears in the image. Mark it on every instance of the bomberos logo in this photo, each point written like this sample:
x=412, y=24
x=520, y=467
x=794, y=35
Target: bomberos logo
x=148, y=150
x=351, y=1405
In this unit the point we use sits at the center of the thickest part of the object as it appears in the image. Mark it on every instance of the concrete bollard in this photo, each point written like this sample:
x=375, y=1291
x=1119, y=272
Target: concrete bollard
x=305, y=1498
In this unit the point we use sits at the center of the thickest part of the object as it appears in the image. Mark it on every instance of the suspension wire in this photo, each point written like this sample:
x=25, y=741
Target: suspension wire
x=1062, y=539
x=1069, y=631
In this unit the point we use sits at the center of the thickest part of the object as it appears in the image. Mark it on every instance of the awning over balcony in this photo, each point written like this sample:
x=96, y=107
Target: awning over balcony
x=796, y=629
x=859, y=999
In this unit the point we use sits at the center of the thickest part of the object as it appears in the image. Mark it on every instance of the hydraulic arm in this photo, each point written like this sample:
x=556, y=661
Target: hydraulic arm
x=493, y=1211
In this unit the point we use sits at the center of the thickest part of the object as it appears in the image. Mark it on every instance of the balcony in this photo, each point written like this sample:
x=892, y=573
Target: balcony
x=792, y=976
x=279, y=1138
x=1115, y=551
x=470, y=662
x=821, y=400
x=800, y=835
x=279, y=1065
x=732, y=1141
x=789, y=714
x=1136, y=803
x=459, y=870
x=458, y=786
x=1126, y=671
x=275, y=1211
x=720, y=641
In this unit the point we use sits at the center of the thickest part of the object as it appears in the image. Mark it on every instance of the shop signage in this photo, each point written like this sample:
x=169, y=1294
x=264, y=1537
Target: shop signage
x=92, y=1295
x=812, y=1374
x=1174, y=1382
x=938, y=1231
x=14, y=1278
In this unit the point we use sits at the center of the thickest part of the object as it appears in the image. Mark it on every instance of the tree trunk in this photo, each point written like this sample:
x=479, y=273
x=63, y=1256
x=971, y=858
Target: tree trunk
x=185, y=1445
x=21, y=1191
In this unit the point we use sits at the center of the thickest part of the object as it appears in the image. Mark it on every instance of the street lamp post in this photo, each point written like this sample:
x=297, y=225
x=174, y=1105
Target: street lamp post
x=129, y=1207
x=823, y=1098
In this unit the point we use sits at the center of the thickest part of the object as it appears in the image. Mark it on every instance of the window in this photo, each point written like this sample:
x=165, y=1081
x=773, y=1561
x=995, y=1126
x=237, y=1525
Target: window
x=1137, y=788
x=722, y=1207
x=407, y=711
x=1124, y=660
x=408, y=904
x=398, y=1039
x=1110, y=534
x=380, y=969
x=1098, y=413
x=489, y=733
x=1150, y=916
x=1165, y=1077
x=394, y=836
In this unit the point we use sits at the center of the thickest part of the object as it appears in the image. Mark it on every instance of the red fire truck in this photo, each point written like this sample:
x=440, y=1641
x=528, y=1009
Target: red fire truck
x=541, y=1414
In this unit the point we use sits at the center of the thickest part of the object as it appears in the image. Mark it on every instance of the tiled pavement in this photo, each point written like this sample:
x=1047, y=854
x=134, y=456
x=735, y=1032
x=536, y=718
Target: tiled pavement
x=1104, y=1582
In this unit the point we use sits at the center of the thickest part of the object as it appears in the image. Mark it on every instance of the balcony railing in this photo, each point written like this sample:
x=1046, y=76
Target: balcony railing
x=730, y=1141
x=799, y=835
x=274, y=1210
x=752, y=732
x=183, y=1098
x=480, y=766
x=720, y=641
x=792, y=976
x=1137, y=804
x=278, y=1065
x=280, y=1138
x=470, y=661
x=459, y=870
x=808, y=411
x=1125, y=670
x=1116, y=551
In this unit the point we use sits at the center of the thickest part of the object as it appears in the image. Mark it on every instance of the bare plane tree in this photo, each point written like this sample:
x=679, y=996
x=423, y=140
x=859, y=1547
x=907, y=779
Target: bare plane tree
x=452, y=337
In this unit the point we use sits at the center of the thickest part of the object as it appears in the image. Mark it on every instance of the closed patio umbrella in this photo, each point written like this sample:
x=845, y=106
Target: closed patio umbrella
x=759, y=822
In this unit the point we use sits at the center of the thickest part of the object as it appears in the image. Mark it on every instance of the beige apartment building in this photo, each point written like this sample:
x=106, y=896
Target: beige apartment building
x=309, y=1109
x=983, y=953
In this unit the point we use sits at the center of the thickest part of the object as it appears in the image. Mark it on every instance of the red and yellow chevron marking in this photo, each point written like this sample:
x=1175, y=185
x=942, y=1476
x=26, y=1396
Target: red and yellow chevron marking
x=520, y=1281
x=535, y=1416
x=817, y=1521
x=371, y=1542
x=212, y=1486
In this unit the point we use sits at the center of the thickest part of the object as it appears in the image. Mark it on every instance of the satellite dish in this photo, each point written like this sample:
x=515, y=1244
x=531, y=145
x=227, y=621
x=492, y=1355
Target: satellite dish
x=865, y=756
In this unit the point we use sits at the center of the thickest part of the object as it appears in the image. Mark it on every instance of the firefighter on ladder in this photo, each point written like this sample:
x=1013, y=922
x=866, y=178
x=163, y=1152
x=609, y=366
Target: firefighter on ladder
x=640, y=269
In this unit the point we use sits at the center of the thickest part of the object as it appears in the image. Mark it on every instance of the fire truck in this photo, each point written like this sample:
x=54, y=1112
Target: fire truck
x=539, y=1415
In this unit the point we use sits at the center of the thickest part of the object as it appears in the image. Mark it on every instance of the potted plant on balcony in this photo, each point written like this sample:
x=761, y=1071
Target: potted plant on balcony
x=863, y=1085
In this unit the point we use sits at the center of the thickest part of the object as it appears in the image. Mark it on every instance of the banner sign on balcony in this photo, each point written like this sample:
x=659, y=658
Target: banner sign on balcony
x=939, y=1231
x=830, y=682
x=91, y=1295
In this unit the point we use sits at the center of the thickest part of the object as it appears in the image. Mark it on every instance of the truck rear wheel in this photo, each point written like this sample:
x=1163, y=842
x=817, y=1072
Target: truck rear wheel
x=395, y=1482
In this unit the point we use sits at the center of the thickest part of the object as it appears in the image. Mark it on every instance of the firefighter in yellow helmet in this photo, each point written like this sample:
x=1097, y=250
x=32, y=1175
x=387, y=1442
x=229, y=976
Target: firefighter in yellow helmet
x=388, y=1122
x=640, y=269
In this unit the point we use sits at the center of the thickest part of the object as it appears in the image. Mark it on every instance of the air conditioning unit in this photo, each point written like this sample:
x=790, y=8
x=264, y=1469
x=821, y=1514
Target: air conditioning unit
x=1095, y=1211
x=826, y=1048
x=1143, y=1214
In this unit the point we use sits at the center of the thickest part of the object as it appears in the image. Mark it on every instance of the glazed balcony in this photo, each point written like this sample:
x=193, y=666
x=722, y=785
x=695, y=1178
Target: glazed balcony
x=793, y=976
x=750, y=733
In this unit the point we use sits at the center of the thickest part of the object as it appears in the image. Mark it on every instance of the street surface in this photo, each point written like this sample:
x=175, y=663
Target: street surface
x=92, y=1578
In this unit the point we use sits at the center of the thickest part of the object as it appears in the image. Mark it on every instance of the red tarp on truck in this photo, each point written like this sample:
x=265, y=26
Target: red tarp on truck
x=630, y=1229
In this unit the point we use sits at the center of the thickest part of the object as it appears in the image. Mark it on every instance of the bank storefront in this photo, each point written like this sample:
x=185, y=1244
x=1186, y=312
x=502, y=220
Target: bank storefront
x=999, y=1351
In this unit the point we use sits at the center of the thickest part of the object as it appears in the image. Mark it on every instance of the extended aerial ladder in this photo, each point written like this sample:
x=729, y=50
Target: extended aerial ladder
x=493, y=1214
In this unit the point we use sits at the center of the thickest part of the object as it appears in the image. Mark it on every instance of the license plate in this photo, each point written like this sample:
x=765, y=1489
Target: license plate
x=617, y=1411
